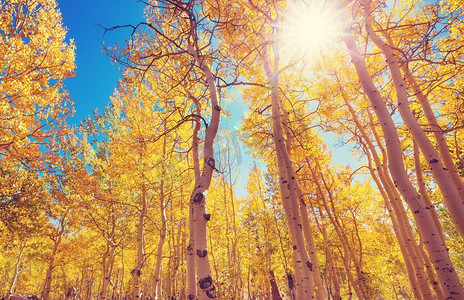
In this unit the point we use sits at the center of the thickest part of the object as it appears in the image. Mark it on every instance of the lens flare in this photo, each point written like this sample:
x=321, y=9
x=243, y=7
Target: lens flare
x=309, y=27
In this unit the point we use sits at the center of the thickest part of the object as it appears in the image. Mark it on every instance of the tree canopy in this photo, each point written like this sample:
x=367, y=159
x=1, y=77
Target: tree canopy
x=142, y=200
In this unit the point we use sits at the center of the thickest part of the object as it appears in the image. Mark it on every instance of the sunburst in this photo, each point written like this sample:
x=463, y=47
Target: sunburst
x=309, y=27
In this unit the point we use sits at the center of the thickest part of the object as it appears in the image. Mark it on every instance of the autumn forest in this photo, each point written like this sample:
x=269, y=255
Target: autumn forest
x=141, y=200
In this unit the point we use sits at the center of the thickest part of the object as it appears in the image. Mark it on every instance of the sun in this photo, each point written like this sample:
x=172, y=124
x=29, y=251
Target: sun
x=309, y=27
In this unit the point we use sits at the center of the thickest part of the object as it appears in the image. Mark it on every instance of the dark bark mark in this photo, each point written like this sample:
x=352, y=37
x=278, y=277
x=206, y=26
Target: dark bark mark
x=310, y=265
x=211, y=162
x=211, y=292
x=206, y=282
x=202, y=253
x=290, y=281
x=198, y=198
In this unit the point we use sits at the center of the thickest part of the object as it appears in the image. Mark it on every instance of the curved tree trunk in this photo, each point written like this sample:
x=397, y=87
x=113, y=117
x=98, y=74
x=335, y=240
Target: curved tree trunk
x=330, y=265
x=137, y=271
x=16, y=270
x=287, y=182
x=198, y=198
x=56, y=243
x=162, y=238
x=357, y=283
x=437, y=131
x=443, y=179
x=161, y=241
x=405, y=244
x=395, y=209
x=107, y=264
x=436, y=249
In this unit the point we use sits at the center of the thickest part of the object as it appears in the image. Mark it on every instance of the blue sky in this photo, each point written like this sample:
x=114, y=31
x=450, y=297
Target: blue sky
x=96, y=76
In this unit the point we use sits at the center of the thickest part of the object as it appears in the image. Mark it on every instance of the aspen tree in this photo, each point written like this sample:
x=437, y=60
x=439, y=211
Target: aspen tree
x=56, y=237
x=404, y=236
x=161, y=241
x=308, y=234
x=16, y=272
x=348, y=253
x=437, y=131
x=441, y=175
x=302, y=263
x=436, y=249
x=198, y=198
x=192, y=286
x=140, y=259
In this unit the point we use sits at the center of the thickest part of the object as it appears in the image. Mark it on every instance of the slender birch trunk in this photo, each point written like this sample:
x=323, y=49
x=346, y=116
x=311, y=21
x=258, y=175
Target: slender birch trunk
x=162, y=238
x=405, y=227
x=391, y=198
x=330, y=266
x=308, y=233
x=137, y=271
x=16, y=270
x=190, y=251
x=423, y=190
x=161, y=241
x=443, y=148
x=108, y=256
x=236, y=274
x=56, y=243
x=275, y=294
x=333, y=274
x=436, y=249
x=107, y=263
x=198, y=198
x=347, y=250
x=121, y=287
x=404, y=243
x=450, y=193
x=311, y=247
x=288, y=184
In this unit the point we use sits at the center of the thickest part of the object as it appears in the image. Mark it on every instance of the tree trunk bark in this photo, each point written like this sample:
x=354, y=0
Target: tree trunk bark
x=161, y=241
x=190, y=251
x=423, y=190
x=198, y=199
x=436, y=249
x=437, y=131
x=107, y=263
x=16, y=270
x=304, y=285
x=308, y=234
x=56, y=242
x=330, y=265
x=137, y=271
x=274, y=288
x=445, y=183
x=348, y=252
x=391, y=198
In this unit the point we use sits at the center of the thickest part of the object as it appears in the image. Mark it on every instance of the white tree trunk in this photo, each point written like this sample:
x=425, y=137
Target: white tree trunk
x=288, y=189
x=436, y=249
x=137, y=271
x=440, y=173
x=16, y=270
x=198, y=199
